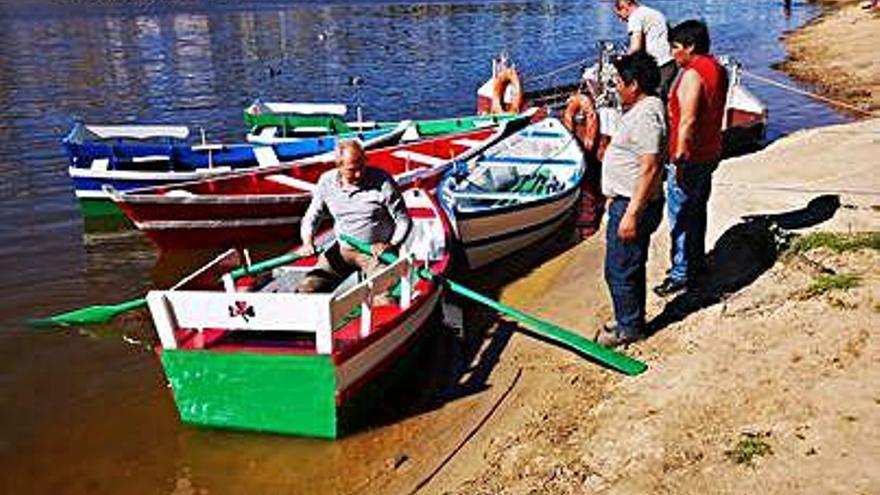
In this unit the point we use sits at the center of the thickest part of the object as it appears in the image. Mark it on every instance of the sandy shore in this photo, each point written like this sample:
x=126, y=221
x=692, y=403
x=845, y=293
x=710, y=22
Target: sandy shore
x=757, y=384
x=838, y=53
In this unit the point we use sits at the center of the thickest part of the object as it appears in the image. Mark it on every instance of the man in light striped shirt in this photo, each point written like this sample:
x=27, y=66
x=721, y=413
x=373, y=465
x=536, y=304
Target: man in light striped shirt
x=364, y=203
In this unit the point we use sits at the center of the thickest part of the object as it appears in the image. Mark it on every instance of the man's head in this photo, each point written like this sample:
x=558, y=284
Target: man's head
x=637, y=74
x=350, y=161
x=688, y=39
x=624, y=8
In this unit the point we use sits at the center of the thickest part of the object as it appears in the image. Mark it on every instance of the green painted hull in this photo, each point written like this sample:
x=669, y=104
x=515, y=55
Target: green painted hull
x=337, y=126
x=102, y=215
x=440, y=127
x=283, y=393
x=279, y=393
x=334, y=124
x=94, y=207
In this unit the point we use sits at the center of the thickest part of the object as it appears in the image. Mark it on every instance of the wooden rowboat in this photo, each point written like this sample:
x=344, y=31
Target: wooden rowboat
x=266, y=205
x=135, y=156
x=250, y=356
x=281, y=122
x=515, y=193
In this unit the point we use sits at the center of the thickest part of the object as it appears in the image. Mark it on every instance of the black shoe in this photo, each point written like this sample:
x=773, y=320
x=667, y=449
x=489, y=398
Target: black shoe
x=670, y=286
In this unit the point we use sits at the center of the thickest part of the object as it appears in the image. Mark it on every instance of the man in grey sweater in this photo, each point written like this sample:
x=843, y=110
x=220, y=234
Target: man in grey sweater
x=365, y=203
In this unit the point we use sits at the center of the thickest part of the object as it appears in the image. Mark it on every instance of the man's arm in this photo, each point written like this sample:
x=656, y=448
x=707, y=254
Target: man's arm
x=689, y=97
x=397, y=208
x=636, y=41
x=311, y=219
x=647, y=182
x=636, y=27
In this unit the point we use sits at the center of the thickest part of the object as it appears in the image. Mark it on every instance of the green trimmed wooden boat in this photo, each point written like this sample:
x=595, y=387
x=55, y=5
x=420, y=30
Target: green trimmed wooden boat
x=271, y=123
x=254, y=354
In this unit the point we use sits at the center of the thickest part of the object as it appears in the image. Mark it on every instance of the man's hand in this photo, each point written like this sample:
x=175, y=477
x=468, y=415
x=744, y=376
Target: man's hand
x=626, y=231
x=307, y=249
x=378, y=248
x=680, y=163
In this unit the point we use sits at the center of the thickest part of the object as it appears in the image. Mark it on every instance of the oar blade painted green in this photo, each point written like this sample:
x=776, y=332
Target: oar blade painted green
x=100, y=314
x=554, y=333
x=92, y=315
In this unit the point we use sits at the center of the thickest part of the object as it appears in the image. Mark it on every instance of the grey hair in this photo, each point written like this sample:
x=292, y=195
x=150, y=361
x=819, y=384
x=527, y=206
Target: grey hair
x=353, y=144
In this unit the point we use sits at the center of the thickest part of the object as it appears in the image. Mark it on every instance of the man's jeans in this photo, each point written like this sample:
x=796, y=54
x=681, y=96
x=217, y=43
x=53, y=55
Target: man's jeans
x=686, y=205
x=625, y=265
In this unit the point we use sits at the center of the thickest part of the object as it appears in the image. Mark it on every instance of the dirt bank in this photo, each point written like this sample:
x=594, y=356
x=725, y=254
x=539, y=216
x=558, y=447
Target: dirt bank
x=838, y=53
x=765, y=381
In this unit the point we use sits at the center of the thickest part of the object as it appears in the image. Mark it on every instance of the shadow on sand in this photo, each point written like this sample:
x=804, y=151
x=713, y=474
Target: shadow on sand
x=742, y=254
x=456, y=362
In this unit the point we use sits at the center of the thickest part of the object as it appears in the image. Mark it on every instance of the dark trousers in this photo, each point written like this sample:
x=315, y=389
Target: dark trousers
x=686, y=204
x=625, y=265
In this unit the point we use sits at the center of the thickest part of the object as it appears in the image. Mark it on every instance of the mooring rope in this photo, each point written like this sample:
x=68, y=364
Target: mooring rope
x=560, y=69
x=798, y=188
x=809, y=94
x=427, y=479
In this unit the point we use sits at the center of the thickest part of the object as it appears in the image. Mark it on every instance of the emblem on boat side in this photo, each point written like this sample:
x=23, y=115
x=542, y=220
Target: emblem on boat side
x=243, y=309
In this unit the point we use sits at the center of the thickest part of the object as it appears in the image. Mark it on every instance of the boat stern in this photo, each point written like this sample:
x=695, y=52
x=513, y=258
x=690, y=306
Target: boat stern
x=279, y=393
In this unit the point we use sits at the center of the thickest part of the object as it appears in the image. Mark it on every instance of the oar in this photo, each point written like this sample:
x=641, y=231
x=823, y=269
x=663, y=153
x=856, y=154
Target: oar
x=101, y=313
x=559, y=335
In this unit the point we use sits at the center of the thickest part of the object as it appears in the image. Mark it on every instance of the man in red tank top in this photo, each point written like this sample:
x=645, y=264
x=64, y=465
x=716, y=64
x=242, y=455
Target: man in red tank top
x=696, y=112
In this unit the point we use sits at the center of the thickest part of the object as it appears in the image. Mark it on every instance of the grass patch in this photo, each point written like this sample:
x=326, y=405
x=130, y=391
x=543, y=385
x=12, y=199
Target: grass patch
x=750, y=446
x=838, y=243
x=826, y=283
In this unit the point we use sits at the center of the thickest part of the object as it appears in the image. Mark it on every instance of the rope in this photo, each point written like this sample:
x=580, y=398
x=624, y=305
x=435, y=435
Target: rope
x=467, y=437
x=800, y=189
x=809, y=94
x=560, y=69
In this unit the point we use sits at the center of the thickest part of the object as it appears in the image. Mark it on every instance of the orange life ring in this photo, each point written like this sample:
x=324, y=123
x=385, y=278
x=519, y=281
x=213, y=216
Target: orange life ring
x=504, y=79
x=580, y=117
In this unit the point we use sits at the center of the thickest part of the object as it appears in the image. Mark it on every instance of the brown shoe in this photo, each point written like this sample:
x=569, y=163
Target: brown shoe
x=614, y=339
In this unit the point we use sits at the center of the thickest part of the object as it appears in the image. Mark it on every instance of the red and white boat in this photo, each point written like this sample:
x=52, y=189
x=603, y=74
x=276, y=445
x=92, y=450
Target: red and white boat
x=266, y=205
x=252, y=355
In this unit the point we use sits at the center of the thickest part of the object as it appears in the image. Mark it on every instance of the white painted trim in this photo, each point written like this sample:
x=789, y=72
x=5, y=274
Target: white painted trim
x=138, y=131
x=470, y=143
x=88, y=173
x=518, y=196
x=293, y=182
x=266, y=156
x=352, y=369
x=100, y=164
x=150, y=158
x=337, y=109
x=163, y=319
x=231, y=257
x=216, y=224
x=414, y=156
x=479, y=256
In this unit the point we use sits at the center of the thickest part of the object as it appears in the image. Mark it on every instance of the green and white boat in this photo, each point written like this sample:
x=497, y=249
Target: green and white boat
x=280, y=122
x=256, y=355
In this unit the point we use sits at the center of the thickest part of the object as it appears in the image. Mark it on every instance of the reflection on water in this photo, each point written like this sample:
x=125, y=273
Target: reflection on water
x=88, y=413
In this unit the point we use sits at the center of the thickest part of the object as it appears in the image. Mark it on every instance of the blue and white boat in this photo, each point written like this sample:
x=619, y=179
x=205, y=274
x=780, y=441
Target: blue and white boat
x=517, y=192
x=135, y=156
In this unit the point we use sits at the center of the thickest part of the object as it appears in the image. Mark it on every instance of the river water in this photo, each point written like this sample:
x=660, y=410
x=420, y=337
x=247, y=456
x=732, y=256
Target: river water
x=86, y=411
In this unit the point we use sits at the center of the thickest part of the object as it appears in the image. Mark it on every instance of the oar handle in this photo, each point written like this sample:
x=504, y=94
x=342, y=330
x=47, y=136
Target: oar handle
x=265, y=265
x=559, y=335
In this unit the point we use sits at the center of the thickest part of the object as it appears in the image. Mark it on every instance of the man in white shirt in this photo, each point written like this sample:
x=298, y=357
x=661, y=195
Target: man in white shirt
x=648, y=32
